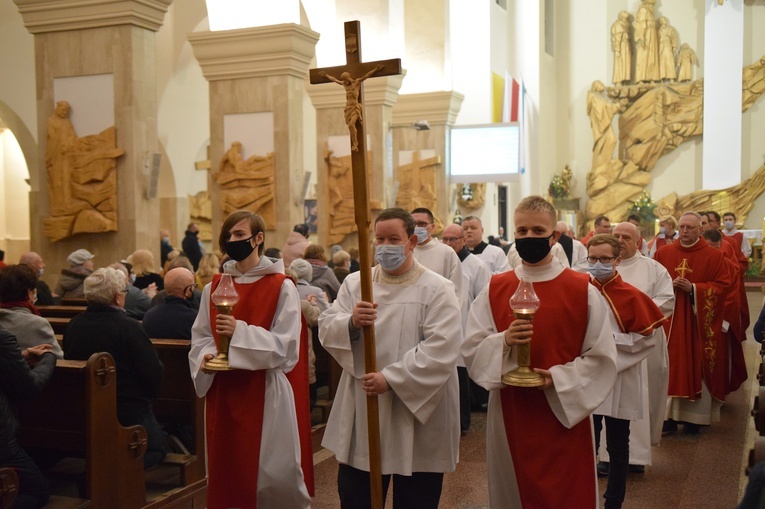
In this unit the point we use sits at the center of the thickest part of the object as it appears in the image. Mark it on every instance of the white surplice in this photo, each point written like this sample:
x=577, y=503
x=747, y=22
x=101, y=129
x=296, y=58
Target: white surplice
x=579, y=386
x=442, y=260
x=280, y=477
x=494, y=258
x=417, y=338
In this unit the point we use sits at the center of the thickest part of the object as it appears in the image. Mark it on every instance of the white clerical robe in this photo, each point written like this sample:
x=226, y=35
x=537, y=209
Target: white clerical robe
x=579, y=261
x=280, y=477
x=417, y=343
x=476, y=277
x=579, y=386
x=494, y=258
x=650, y=277
x=442, y=260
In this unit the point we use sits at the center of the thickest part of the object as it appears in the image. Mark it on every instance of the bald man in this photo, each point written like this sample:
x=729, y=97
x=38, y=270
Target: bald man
x=173, y=318
x=44, y=296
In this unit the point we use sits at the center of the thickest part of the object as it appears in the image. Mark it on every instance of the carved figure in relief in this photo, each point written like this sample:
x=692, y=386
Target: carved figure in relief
x=620, y=44
x=340, y=186
x=754, y=83
x=81, y=176
x=667, y=50
x=601, y=112
x=646, y=44
x=352, y=106
x=247, y=184
x=686, y=59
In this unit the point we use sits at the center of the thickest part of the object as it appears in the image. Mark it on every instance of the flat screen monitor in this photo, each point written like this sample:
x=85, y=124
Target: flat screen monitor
x=485, y=153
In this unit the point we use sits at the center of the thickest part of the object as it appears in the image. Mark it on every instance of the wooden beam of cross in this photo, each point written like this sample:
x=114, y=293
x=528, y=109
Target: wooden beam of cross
x=351, y=76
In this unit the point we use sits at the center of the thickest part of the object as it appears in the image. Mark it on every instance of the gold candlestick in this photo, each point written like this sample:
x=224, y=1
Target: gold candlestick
x=224, y=298
x=524, y=304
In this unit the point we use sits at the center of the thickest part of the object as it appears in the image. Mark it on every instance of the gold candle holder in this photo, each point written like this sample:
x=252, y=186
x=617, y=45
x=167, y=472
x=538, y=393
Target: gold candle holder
x=524, y=304
x=224, y=298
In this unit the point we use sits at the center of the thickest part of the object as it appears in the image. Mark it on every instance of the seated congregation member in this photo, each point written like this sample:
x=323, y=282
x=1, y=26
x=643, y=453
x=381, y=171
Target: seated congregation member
x=136, y=301
x=44, y=295
x=18, y=385
x=418, y=333
x=209, y=265
x=633, y=318
x=303, y=271
x=295, y=245
x=18, y=314
x=530, y=430
x=70, y=283
x=179, y=262
x=144, y=270
x=253, y=450
x=104, y=327
x=342, y=265
x=273, y=252
x=323, y=277
x=173, y=318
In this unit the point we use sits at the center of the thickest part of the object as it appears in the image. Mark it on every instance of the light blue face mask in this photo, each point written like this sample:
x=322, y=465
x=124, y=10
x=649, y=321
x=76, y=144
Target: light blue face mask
x=422, y=234
x=601, y=271
x=389, y=256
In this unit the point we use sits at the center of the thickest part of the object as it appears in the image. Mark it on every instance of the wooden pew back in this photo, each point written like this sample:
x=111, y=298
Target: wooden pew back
x=9, y=487
x=76, y=414
x=61, y=311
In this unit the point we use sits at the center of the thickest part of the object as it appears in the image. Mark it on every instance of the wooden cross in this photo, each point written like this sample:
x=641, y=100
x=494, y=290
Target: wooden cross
x=351, y=77
x=683, y=269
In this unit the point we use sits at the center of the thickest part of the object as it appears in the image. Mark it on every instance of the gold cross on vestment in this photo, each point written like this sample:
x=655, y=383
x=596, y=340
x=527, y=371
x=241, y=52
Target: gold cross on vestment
x=683, y=269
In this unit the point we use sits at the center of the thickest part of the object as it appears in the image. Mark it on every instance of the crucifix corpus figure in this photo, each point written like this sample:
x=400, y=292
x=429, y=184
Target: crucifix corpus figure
x=353, y=110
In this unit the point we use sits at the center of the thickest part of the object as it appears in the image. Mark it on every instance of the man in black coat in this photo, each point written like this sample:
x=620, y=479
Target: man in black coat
x=192, y=248
x=173, y=318
x=18, y=384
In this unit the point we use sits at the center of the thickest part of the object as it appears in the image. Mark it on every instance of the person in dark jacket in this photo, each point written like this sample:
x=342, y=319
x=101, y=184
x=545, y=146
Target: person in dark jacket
x=165, y=248
x=323, y=277
x=191, y=245
x=18, y=384
x=44, y=295
x=173, y=318
x=104, y=327
x=80, y=266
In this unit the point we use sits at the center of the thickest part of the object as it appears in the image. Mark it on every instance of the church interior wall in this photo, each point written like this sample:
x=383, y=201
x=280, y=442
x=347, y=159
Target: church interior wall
x=14, y=198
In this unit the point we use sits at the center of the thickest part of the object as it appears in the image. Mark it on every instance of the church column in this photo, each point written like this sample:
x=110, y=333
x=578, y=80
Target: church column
x=260, y=70
x=439, y=110
x=109, y=47
x=380, y=94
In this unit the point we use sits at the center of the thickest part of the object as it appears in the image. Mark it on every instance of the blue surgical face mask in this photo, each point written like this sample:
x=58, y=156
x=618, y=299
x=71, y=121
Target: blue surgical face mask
x=662, y=230
x=422, y=234
x=40, y=272
x=729, y=225
x=601, y=271
x=390, y=256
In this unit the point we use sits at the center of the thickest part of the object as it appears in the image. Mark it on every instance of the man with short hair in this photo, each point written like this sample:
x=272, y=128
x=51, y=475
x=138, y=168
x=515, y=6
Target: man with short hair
x=173, y=318
x=192, y=246
x=475, y=276
x=729, y=229
x=433, y=254
x=642, y=244
x=342, y=265
x=179, y=262
x=44, y=296
x=701, y=279
x=137, y=302
x=714, y=219
x=738, y=254
x=492, y=256
x=417, y=338
x=529, y=430
x=601, y=225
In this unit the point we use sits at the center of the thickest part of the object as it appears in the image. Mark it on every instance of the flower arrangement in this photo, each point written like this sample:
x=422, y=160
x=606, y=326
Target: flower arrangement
x=560, y=187
x=644, y=207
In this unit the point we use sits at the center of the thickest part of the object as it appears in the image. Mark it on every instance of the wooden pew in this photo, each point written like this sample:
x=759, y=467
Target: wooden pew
x=61, y=311
x=9, y=487
x=76, y=414
x=59, y=324
x=74, y=302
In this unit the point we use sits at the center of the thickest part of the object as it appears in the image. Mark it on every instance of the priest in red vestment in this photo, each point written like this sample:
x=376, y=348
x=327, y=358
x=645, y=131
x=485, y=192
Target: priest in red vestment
x=701, y=278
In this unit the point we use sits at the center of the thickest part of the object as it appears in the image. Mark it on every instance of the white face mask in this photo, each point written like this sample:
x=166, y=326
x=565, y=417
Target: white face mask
x=601, y=271
x=390, y=257
x=422, y=234
x=662, y=230
x=729, y=225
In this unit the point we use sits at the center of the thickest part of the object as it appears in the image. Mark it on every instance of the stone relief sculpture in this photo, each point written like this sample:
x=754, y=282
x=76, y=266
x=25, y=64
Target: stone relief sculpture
x=686, y=59
x=417, y=186
x=200, y=212
x=667, y=50
x=339, y=176
x=601, y=111
x=81, y=177
x=754, y=83
x=247, y=184
x=646, y=44
x=621, y=45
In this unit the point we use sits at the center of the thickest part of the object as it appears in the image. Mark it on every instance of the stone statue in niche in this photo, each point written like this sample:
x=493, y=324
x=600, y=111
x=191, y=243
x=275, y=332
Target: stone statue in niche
x=754, y=83
x=622, y=48
x=352, y=105
x=601, y=111
x=81, y=178
x=646, y=44
x=667, y=50
x=686, y=59
x=247, y=184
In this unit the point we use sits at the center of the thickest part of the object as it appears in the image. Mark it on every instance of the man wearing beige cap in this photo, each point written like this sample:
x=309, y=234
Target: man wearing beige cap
x=80, y=266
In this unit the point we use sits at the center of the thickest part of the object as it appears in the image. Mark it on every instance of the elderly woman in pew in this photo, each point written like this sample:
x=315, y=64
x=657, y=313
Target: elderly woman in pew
x=18, y=314
x=18, y=384
x=104, y=327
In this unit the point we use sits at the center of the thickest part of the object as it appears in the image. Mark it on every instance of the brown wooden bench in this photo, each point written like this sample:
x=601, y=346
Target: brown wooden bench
x=61, y=311
x=9, y=487
x=74, y=302
x=76, y=415
x=59, y=324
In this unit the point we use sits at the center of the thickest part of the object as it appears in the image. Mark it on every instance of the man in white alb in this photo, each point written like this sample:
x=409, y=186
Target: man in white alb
x=492, y=256
x=433, y=254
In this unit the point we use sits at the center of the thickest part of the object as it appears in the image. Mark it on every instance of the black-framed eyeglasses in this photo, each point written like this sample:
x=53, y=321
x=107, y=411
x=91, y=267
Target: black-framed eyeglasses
x=601, y=259
x=190, y=287
x=449, y=240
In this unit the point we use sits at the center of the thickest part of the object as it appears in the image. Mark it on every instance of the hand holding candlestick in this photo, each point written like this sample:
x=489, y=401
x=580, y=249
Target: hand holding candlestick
x=224, y=298
x=524, y=304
